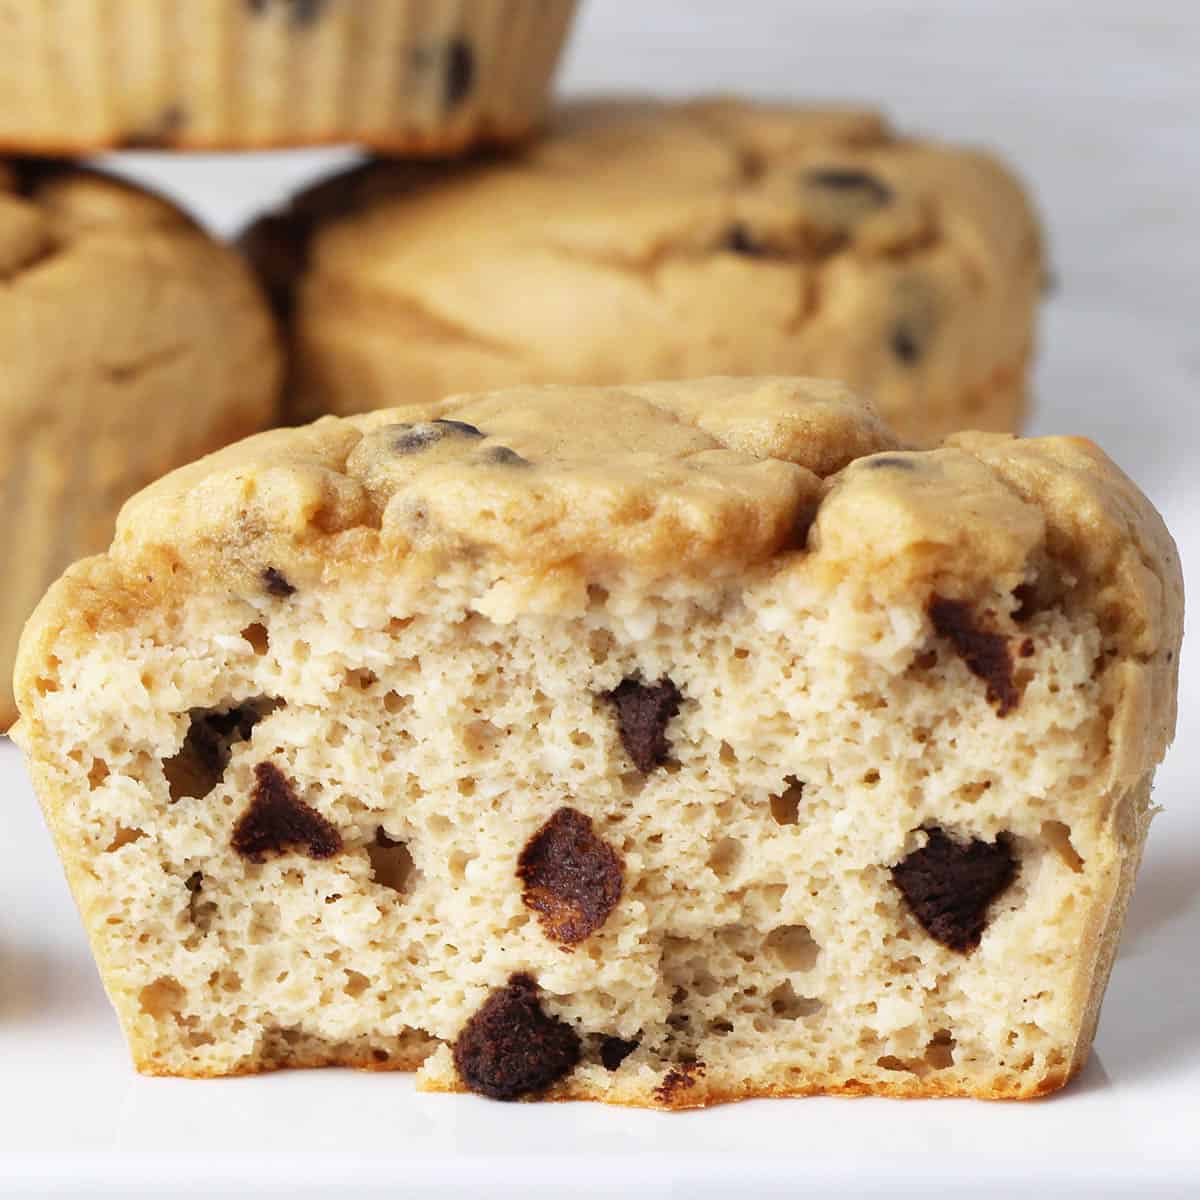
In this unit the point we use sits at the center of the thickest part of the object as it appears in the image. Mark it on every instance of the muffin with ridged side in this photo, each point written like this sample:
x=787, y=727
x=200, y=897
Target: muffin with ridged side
x=403, y=76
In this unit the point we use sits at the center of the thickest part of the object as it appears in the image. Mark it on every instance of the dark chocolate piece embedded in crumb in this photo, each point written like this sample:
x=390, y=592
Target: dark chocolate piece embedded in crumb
x=614, y=1051
x=643, y=712
x=459, y=72
x=949, y=885
x=511, y=1046
x=278, y=820
x=276, y=582
x=572, y=877
x=985, y=653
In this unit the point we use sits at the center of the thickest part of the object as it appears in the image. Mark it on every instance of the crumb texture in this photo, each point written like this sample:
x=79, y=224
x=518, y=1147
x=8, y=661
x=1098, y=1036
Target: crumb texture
x=664, y=241
x=552, y=820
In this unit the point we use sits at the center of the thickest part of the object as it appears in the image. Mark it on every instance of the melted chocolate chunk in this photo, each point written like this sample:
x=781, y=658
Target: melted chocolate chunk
x=460, y=72
x=740, y=240
x=848, y=181
x=511, y=1047
x=643, y=711
x=278, y=820
x=572, y=877
x=614, y=1051
x=949, y=886
x=276, y=582
x=986, y=654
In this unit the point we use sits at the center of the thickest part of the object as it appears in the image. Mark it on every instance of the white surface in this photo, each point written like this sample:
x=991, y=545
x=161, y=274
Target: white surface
x=1099, y=105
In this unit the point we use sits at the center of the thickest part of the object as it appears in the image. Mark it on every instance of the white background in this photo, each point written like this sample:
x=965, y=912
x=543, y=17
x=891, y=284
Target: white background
x=1098, y=104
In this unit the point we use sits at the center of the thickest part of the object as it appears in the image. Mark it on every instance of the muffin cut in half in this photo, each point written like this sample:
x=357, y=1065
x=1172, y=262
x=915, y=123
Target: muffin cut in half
x=661, y=745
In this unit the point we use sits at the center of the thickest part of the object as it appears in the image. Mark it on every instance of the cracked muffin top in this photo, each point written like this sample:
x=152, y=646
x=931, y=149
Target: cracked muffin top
x=538, y=494
x=649, y=241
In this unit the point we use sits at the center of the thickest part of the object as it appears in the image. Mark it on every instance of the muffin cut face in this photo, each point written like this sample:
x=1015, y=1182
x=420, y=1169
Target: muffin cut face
x=659, y=767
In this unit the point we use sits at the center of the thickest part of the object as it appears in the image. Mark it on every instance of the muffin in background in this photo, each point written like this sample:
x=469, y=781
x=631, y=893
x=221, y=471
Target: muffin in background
x=653, y=241
x=403, y=76
x=132, y=343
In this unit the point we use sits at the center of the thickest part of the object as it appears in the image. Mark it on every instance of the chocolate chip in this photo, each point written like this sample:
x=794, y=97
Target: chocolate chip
x=740, y=241
x=460, y=72
x=892, y=461
x=986, y=654
x=276, y=582
x=503, y=456
x=1026, y=648
x=511, y=1047
x=278, y=820
x=460, y=427
x=200, y=763
x=643, y=712
x=949, y=886
x=414, y=437
x=614, y=1051
x=572, y=877
x=865, y=188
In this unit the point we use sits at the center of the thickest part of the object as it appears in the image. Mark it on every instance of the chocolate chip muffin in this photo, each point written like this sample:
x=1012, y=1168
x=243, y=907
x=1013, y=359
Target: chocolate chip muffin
x=645, y=241
x=403, y=76
x=661, y=745
x=132, y=342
